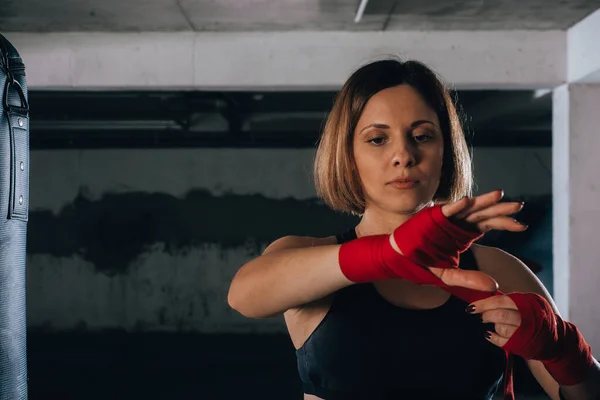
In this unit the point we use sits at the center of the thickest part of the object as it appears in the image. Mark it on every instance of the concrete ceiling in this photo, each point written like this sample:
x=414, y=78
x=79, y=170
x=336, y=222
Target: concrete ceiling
x=273, y=15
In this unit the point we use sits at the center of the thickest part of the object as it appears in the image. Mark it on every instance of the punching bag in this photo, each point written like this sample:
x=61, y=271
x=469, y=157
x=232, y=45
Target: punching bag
x=14, y=200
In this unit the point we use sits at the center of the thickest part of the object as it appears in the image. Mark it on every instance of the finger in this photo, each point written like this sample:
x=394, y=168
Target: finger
x=501, y=224
x=504, y=330
x=492, y=303
x=495, y=338
x=475, y=280
x=481, y=202
x=502, y=316
x=453, y=208
x=496, y=210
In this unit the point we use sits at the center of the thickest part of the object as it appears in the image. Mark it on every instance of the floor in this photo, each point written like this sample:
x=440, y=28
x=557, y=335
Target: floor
x=176, y=367
x=120, y=366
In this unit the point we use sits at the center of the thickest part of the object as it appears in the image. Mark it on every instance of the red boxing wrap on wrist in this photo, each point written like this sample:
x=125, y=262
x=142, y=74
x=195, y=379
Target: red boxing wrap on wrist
x=372, y=258
x=430, y=239
x=544, y=336
x=427, y=239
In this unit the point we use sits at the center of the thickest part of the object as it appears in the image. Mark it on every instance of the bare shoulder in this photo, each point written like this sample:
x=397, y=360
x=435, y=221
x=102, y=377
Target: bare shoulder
x=512, y=274
x=298, y=242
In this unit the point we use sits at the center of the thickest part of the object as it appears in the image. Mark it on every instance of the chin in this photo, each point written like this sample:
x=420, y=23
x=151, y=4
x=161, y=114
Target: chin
x=407, y=206
x=402, y=202
x=409, y=203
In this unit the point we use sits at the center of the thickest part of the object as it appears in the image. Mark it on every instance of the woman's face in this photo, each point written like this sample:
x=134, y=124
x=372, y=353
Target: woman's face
x=398, y=148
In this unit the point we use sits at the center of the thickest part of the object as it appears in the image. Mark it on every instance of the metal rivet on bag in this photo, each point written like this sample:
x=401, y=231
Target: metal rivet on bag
x=22, y=166
x=20, y=122
x=20, y=199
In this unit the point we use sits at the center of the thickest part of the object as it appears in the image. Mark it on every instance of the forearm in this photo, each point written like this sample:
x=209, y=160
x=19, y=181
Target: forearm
x=276, y=282
x=589, y=389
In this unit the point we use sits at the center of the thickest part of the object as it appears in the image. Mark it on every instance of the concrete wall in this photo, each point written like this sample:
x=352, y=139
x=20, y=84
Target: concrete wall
x=148, y=240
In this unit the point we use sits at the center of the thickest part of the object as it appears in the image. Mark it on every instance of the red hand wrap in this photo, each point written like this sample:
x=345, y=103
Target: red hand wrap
x=544, y=336
x=372, y=258
x=429, y=239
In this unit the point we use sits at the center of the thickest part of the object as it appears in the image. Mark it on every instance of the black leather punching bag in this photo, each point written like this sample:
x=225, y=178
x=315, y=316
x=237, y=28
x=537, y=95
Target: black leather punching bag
x=14, y=200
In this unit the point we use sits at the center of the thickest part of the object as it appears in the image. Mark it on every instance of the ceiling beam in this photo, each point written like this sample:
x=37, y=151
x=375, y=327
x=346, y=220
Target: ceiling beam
x=298, y=60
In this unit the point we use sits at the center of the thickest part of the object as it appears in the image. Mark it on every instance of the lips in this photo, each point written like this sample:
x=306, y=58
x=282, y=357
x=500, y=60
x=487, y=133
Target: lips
x=403, y=183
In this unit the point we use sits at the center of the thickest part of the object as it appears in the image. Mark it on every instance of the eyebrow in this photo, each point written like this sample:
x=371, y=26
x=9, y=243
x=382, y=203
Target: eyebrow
x=384, y=126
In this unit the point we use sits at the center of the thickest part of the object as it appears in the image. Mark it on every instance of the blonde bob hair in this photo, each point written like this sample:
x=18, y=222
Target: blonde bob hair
x=335, y=174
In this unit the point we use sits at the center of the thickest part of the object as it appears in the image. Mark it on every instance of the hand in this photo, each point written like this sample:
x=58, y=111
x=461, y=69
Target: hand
x=500, y=311
x=528, y=325
x=475, y=280
x=435, y=237
x=485, y=213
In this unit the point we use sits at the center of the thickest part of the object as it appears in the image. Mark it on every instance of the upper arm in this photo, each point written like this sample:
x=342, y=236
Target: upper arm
x=513, y=275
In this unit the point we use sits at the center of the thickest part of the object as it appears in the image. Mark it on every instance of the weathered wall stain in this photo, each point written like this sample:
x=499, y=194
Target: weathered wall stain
x=112, y=231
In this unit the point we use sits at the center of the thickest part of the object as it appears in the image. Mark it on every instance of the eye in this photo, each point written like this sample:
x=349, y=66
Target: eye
x=377, y=141
x=422, y=138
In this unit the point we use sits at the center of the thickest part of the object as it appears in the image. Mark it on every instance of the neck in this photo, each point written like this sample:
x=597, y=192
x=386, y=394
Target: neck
x=378, y=222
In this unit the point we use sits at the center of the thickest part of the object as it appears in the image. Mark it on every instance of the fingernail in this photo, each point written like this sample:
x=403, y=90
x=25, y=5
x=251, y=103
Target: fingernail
x=488, y=335
x=520, y=223
x=470, y=309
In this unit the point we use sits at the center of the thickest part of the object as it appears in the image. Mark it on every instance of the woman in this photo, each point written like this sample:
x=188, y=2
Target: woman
x=371, y=311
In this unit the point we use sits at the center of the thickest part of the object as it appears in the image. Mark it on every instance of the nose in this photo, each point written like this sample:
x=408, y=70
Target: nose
x=404, y=155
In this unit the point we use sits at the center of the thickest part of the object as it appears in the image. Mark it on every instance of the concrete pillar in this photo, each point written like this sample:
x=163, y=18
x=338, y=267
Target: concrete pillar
x=576, y=205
